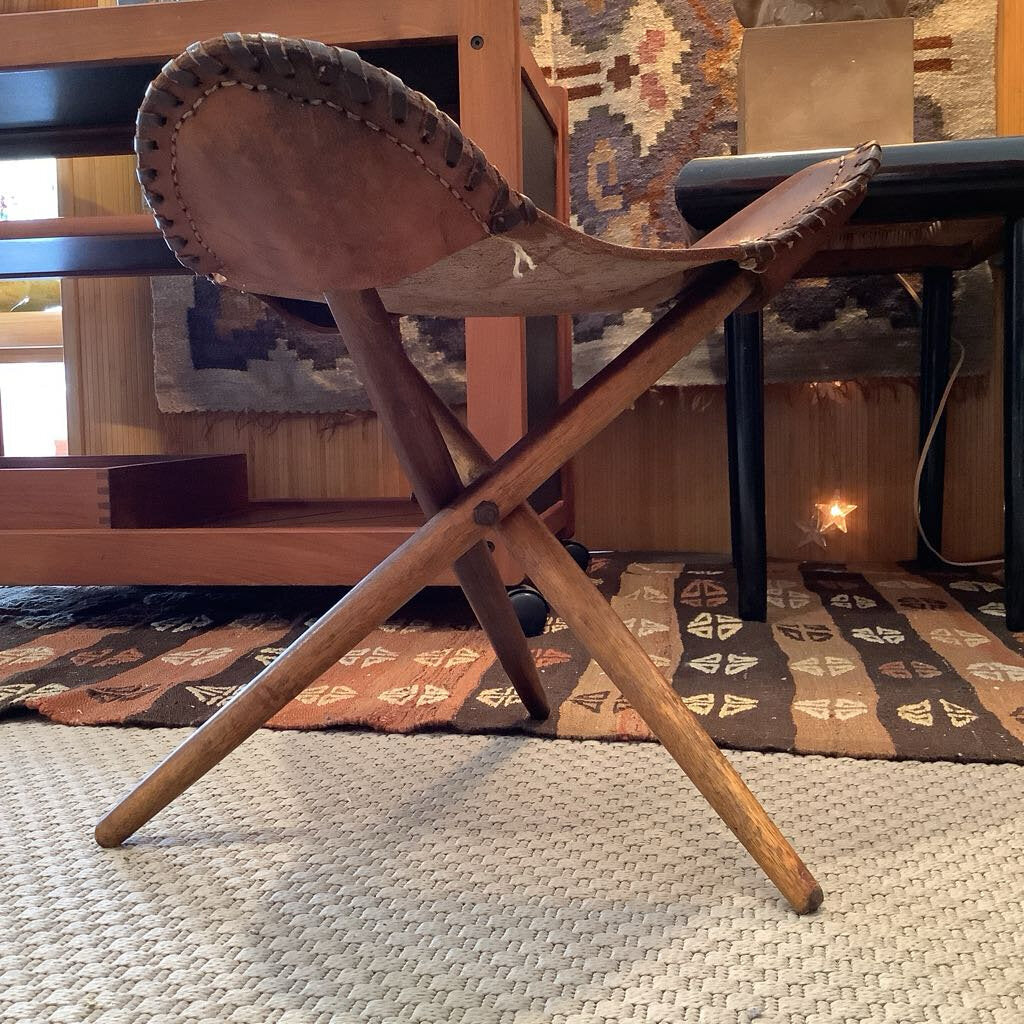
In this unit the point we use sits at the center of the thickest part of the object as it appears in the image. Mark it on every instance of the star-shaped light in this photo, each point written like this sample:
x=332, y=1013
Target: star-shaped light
x=833, y=513
x=810, y=534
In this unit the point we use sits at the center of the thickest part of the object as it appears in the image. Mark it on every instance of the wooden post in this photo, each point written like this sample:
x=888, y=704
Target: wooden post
x=373, y=340
x=491, y=113
x=1013, y=422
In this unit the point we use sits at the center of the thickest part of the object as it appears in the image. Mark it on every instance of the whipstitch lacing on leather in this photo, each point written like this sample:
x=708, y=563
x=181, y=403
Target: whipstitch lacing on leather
x=829, y=200
x=331, y=66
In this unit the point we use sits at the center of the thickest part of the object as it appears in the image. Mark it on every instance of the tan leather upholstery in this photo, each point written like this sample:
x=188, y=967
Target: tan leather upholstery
x=288, y=168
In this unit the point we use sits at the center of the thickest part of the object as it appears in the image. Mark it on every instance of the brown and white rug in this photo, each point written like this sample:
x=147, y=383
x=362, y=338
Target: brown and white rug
x=857, y=661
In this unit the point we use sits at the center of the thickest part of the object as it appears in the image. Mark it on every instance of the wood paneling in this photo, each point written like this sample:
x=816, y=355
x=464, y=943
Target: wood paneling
x=657, y=477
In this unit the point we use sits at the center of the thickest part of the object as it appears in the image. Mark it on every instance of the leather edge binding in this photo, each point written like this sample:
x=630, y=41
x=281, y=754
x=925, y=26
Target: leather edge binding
x=843, y=192
x=184, y=82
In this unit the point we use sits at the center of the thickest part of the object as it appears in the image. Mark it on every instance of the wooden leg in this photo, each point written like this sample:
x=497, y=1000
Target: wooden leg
x=437, y=544
x=1013, y=422
x=372, y=337
x=619, y=653
x=397, y=579
x=745, y=416
x=936, y=326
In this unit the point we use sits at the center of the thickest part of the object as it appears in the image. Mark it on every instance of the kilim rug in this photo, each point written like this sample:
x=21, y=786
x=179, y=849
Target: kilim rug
x=856, y=661
x=219, y=350
x=651, y=84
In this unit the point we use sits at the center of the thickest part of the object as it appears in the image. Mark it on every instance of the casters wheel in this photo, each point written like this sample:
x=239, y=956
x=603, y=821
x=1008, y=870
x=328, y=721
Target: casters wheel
x=580, y=553
x=531, y=609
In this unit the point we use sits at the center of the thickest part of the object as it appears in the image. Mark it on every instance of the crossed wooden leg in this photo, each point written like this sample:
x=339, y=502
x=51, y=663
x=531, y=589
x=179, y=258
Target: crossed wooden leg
x=496, y=497
x=375, y=346
x=619, y=653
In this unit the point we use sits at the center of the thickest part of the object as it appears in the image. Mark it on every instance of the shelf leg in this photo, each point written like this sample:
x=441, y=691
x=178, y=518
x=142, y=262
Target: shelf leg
x=936, y=325
x=745, y=415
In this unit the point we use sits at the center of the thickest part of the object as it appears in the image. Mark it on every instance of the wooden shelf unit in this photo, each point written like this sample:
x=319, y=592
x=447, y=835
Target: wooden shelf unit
x=93, y=65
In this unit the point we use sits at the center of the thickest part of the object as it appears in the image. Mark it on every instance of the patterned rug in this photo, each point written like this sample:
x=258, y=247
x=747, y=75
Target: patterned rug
x=219, y=350
x=855, y=661
x=651, y=84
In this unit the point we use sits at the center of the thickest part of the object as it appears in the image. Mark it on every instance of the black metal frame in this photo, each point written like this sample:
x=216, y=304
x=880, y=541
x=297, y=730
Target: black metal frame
x=936, y=328
x=922, y=181
x=95, y=255
x=744, y=399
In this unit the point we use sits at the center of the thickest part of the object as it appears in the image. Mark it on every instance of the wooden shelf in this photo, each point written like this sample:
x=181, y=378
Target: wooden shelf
x=114, y=246
x=72, y=81
x=304, y=543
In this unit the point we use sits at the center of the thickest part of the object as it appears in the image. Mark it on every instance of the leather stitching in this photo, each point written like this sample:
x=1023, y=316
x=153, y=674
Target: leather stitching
x=330, y=66
x=759, y=252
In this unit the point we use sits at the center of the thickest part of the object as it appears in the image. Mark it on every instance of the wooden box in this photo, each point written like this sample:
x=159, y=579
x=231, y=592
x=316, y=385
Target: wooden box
x=826, y=85
x=120, y=491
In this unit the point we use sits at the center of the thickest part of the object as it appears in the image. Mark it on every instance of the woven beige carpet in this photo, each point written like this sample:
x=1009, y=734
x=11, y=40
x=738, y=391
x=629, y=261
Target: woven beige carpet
x=360, y=878
x=863, y=661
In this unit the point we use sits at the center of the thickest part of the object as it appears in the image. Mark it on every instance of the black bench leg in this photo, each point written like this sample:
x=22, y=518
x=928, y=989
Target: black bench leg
x=745, y=413
x=1013, y=423
x=936, y=325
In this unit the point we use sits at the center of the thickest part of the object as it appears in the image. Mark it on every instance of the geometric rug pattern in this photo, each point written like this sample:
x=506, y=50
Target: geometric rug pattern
x=861, y=661
x=652, y=84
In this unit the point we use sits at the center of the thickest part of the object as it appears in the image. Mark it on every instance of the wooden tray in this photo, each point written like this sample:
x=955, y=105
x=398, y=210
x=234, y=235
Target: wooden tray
x=120, y=491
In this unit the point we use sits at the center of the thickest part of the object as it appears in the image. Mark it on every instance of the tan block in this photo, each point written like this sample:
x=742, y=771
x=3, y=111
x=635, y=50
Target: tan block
x=826, y=85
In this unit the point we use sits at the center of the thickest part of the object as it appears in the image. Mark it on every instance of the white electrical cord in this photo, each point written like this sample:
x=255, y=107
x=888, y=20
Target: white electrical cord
x=926, y=447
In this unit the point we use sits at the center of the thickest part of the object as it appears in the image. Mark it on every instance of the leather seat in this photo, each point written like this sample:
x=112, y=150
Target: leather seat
x=288, y=168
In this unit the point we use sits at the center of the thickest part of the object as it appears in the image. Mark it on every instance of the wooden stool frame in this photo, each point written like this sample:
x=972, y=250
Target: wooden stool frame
x=461, y=267
x=492, y=504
